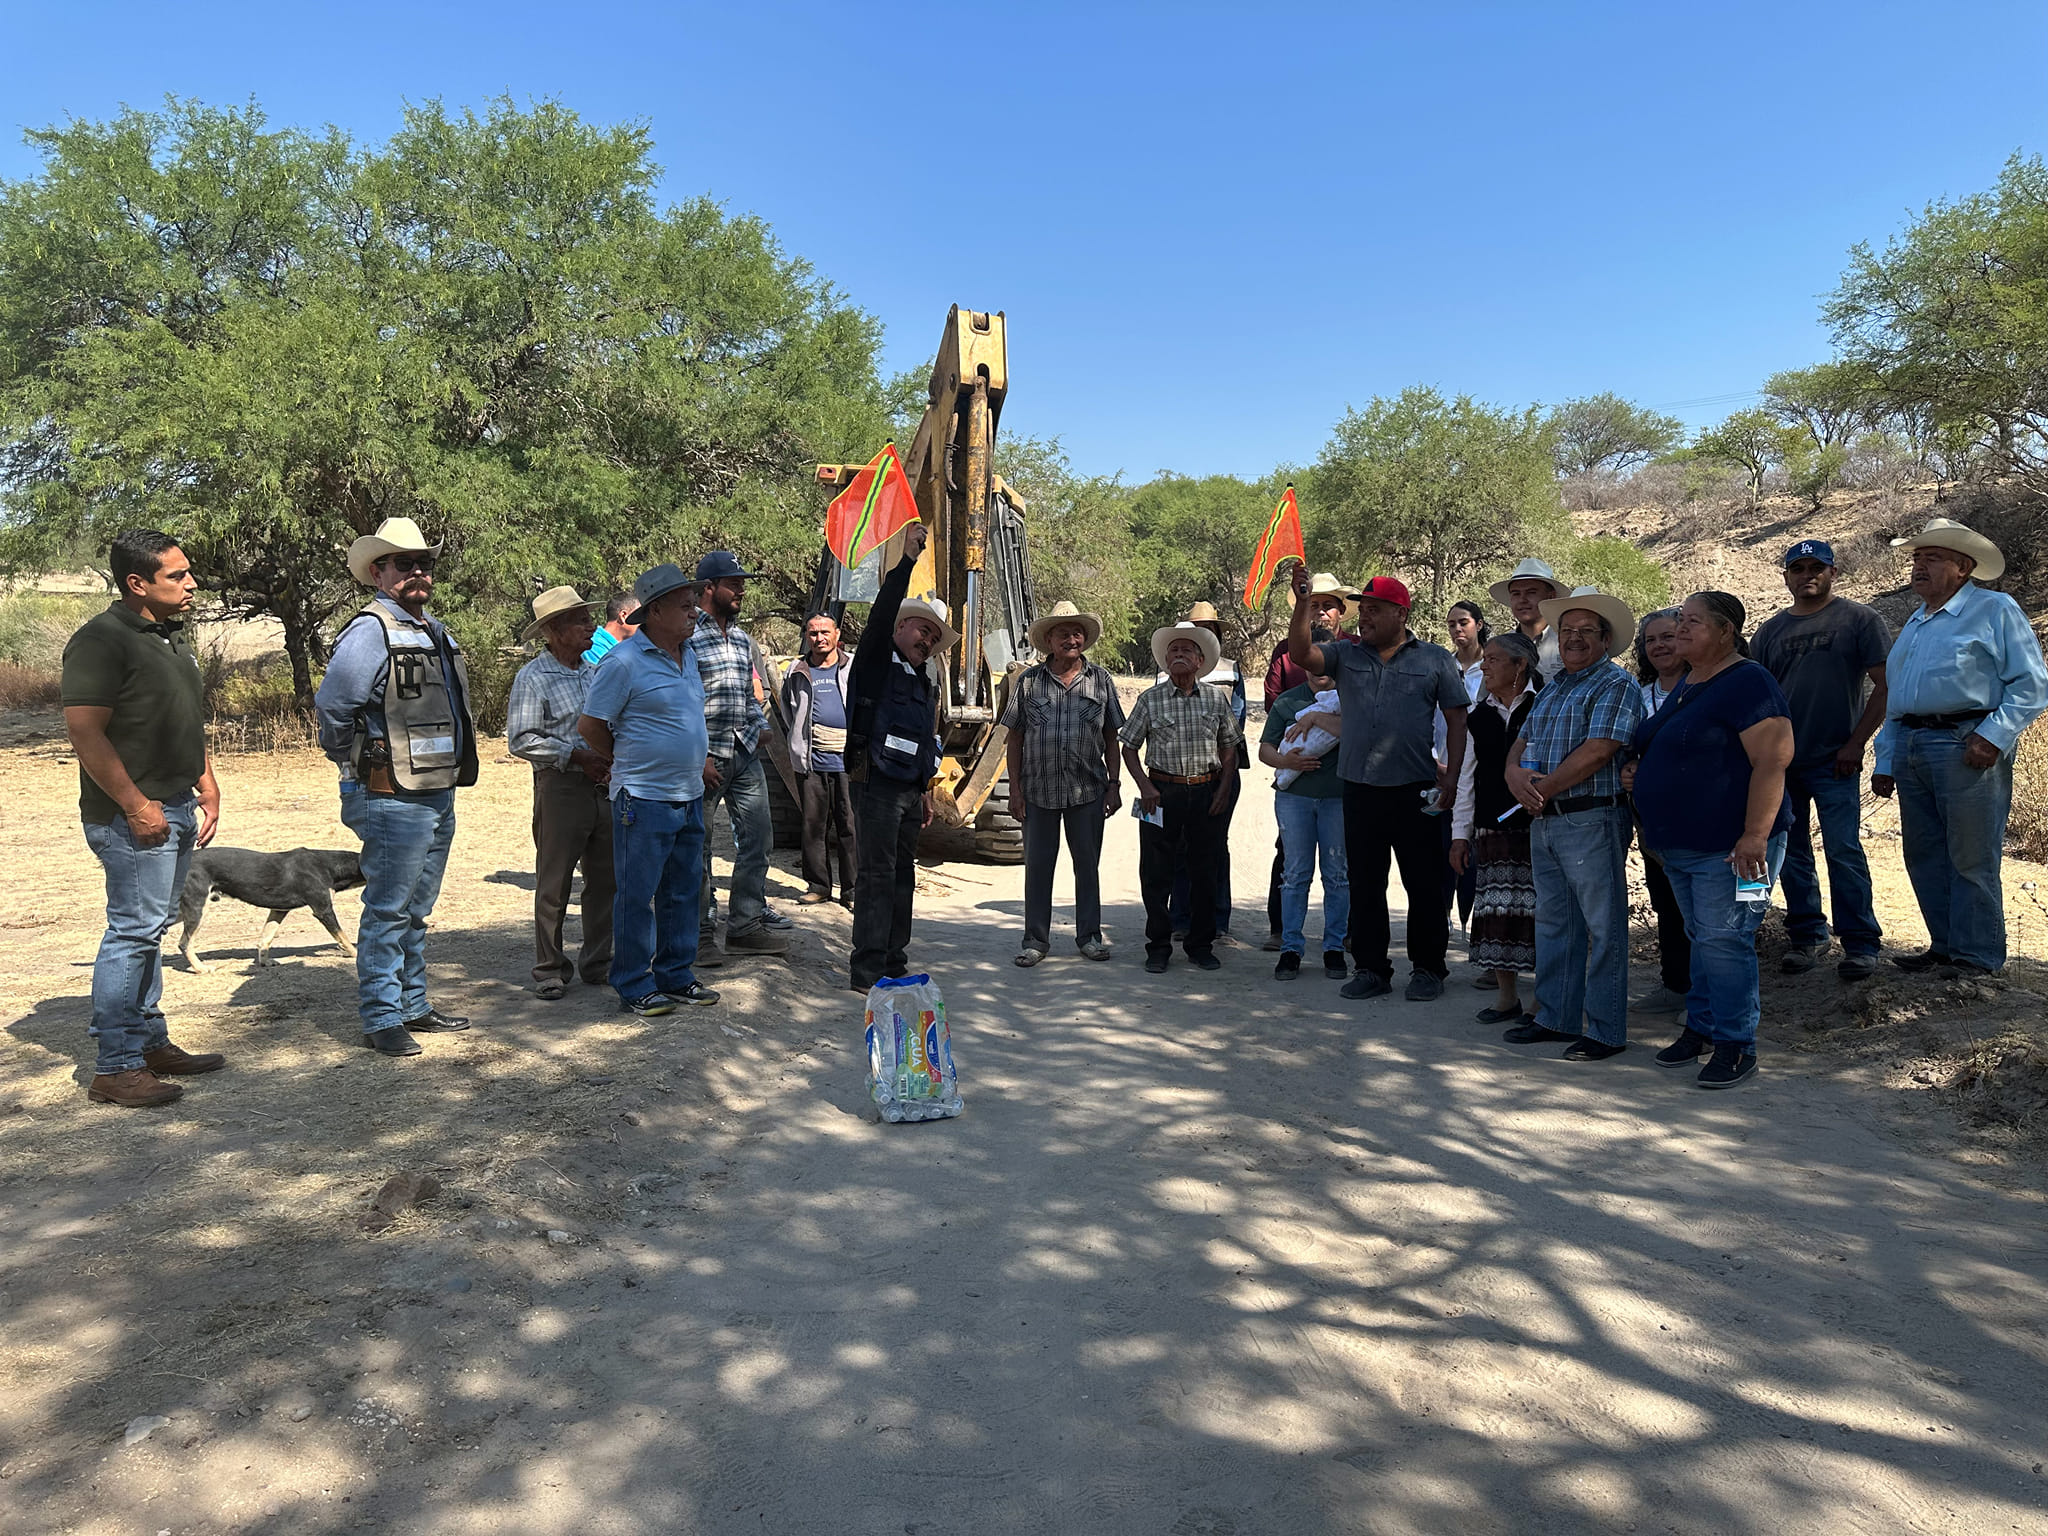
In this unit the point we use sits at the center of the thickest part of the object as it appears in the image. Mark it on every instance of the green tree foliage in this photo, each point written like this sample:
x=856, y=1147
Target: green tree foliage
x=1829, y=402
x=1950, y=321
x=1193, y=541
x=269, y=342
x=1605, y=434
x=1079, y=528
x=1439, y=488
x=1753, y=440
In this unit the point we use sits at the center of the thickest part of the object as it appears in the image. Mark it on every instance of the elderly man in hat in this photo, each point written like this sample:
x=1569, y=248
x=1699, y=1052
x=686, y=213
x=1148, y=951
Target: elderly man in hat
x=734, y=771
x=814, y=693
x=644, y=718
x=1523, y=592
x=1822, y=650
x=1063, y=717
x=892, y=751
x=1223, y=674
x=572, y=820
x=1391, y=686
x=394, y=715
x=1565, y=774
x=1965, y=678
x=1185, y=788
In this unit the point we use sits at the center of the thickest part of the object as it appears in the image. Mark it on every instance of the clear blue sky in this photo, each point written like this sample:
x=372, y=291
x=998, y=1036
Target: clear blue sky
x=1213, y=228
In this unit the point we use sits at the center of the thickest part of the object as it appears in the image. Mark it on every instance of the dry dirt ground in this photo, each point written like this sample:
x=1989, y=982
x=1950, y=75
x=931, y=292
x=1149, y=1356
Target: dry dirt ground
x=1205, y=1255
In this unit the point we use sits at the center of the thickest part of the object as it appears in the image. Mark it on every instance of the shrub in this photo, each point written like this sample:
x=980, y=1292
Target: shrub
x=34, y=626
x=27, y=687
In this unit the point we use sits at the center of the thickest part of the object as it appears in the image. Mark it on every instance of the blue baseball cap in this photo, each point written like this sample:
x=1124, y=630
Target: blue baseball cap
x=719, y=565
x=1810, y=549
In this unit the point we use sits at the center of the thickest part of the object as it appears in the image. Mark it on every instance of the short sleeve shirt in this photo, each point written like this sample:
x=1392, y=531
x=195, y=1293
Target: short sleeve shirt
x=1061, y=743
x=1692, y=785
x=1822, y=661
x=1597, y=703
x=655, y=709
x=1390, y=709
x=1323, y=784
x=1184, y=734
x=148, y=675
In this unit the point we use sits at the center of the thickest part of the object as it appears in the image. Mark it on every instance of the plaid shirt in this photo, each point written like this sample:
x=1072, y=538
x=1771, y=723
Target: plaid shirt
x=725, y=660
x=1603, y=702
x=1185, y=733
x=540, y=720
x=1063, y=758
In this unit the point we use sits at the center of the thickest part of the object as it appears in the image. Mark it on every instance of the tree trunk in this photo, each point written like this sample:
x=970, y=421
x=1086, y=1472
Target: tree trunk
x=297, y=646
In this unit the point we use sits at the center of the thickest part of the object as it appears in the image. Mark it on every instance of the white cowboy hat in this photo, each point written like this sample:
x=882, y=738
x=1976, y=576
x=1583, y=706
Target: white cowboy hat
x=1609, y=607
x=551, y=604
x=1531, y=569
x=1943, y=534
x=1212, y=648
x=934, y=610
x=1323, y=584
x=1064, y=613
x=394, y=536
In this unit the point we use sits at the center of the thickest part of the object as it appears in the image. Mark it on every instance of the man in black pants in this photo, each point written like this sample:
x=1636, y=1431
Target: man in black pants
x=1391, y=685
x=892, y=752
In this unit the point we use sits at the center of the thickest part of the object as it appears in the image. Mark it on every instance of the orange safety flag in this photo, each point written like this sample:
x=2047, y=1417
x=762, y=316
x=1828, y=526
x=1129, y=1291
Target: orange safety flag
x=1281, y=540
x=865, y=515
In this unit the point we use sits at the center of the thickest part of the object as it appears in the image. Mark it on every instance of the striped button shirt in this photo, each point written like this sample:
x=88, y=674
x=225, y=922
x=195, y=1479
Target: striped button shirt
x=540, y=719
x=1601, y=703
x=1184, y=734
x=725, y=660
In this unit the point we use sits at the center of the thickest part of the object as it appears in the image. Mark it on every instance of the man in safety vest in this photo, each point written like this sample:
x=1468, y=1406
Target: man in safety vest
x=394, y=715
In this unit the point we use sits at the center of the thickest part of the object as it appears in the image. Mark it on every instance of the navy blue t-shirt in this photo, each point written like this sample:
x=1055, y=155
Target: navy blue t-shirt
x=1692, y=785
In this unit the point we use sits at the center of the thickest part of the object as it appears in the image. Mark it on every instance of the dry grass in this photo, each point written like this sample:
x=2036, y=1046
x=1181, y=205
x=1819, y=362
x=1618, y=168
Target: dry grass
x=27, y=687
x=2027, y=832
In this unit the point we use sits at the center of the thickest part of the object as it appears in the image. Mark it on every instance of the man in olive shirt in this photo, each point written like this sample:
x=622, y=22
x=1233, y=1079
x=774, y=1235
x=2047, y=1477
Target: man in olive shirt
x=146, y=792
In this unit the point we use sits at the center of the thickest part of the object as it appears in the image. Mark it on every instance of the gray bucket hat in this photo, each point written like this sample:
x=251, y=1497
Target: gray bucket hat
x=659, y=582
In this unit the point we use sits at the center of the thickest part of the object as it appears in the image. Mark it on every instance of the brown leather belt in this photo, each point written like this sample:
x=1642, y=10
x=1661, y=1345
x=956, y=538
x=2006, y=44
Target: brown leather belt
x=1182, y=778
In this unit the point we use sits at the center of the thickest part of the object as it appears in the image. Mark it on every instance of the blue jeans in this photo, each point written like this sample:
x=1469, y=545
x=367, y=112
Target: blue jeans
x=1310, y=828
x=405, y=852
x=1723, y=1002
x=743, y=786
x=658, y=862
x=1952, y=822
x=1580, y=862
x=1838, y=805
x=142, y=897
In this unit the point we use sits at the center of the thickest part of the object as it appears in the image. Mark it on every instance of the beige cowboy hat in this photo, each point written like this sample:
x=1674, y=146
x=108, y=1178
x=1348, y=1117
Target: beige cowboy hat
x=1203, y=613
x=394, y=536
x=934, y=610
x=1063, y=613
x=1323, y=584
x=552, y=604
x=1188, y=629
x=1609, y=607
x=1944, y=534
x=1531, y=569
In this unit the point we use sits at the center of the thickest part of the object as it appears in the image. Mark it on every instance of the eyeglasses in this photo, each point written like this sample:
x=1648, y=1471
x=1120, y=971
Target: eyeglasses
x=405, y=565
x=1581, y=634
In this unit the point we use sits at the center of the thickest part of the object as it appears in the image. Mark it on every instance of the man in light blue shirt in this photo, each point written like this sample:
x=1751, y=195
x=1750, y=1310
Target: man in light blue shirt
x=1965, y=677
x=645, y=715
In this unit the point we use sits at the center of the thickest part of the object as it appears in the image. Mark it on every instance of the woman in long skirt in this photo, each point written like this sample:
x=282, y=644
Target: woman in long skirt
x=1490, y=830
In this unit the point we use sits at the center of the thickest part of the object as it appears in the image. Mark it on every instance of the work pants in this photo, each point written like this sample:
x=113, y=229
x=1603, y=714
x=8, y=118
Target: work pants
x=1083, y=825
x=888, y=816
x=572, y=824
x=1185, y=847
x=827, y=801
x=1383, y=826
x=1178, y=906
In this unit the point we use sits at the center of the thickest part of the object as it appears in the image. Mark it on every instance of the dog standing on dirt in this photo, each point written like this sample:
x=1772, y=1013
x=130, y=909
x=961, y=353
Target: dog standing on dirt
x=281, y=882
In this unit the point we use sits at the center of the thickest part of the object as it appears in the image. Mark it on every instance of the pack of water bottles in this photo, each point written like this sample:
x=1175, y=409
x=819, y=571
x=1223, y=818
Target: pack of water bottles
x=910, y=1053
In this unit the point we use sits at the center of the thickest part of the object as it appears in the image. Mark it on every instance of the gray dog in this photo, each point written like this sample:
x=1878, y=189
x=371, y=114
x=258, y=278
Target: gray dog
x=280, y=882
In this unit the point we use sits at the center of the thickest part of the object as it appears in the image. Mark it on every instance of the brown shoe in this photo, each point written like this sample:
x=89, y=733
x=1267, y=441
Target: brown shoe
x=133, y=1089
x=812, y=898
x=168, y=1060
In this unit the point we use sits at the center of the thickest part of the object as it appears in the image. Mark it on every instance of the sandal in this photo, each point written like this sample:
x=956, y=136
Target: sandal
x=551, y=990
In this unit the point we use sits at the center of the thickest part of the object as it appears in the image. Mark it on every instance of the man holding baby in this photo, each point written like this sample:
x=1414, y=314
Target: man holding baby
x=1390, y=685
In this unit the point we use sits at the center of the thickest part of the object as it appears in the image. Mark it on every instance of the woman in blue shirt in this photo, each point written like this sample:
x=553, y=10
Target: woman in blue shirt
x=1709, y=786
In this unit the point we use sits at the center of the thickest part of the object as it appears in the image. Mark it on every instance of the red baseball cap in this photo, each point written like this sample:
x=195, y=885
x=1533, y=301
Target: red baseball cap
x=1387, y=590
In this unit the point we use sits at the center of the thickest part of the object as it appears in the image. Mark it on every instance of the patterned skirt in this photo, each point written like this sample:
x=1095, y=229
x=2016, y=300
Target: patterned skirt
x=1503, y=927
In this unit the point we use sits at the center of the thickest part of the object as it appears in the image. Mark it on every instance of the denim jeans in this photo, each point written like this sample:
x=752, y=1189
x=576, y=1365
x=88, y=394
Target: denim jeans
x=142, y=898
x=743, y=786
x=1312, y=828
x=658, y=865
x=1952, y=823
x=1083, y=825
x=405, y=852
x=1579, y=859
x=1838, y=805
x=1722, y=1004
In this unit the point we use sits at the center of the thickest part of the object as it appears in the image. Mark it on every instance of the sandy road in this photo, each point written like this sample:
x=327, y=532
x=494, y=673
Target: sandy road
x=1207, y=1254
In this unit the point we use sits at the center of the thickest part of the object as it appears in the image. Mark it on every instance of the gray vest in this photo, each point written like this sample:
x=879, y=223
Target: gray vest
x=429, y=737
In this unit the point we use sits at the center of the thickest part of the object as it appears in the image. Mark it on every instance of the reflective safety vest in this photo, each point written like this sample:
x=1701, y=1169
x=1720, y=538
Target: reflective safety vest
x=429, y=740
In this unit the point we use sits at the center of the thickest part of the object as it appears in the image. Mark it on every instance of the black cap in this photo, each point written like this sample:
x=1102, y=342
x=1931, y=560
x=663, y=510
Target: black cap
x=720, y=564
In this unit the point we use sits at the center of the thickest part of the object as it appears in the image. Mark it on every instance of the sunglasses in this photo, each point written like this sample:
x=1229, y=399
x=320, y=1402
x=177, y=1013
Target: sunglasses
x=405, y=565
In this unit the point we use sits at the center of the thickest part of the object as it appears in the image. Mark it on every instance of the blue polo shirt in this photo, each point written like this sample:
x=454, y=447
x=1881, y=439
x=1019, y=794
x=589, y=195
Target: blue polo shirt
x=655, y=709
